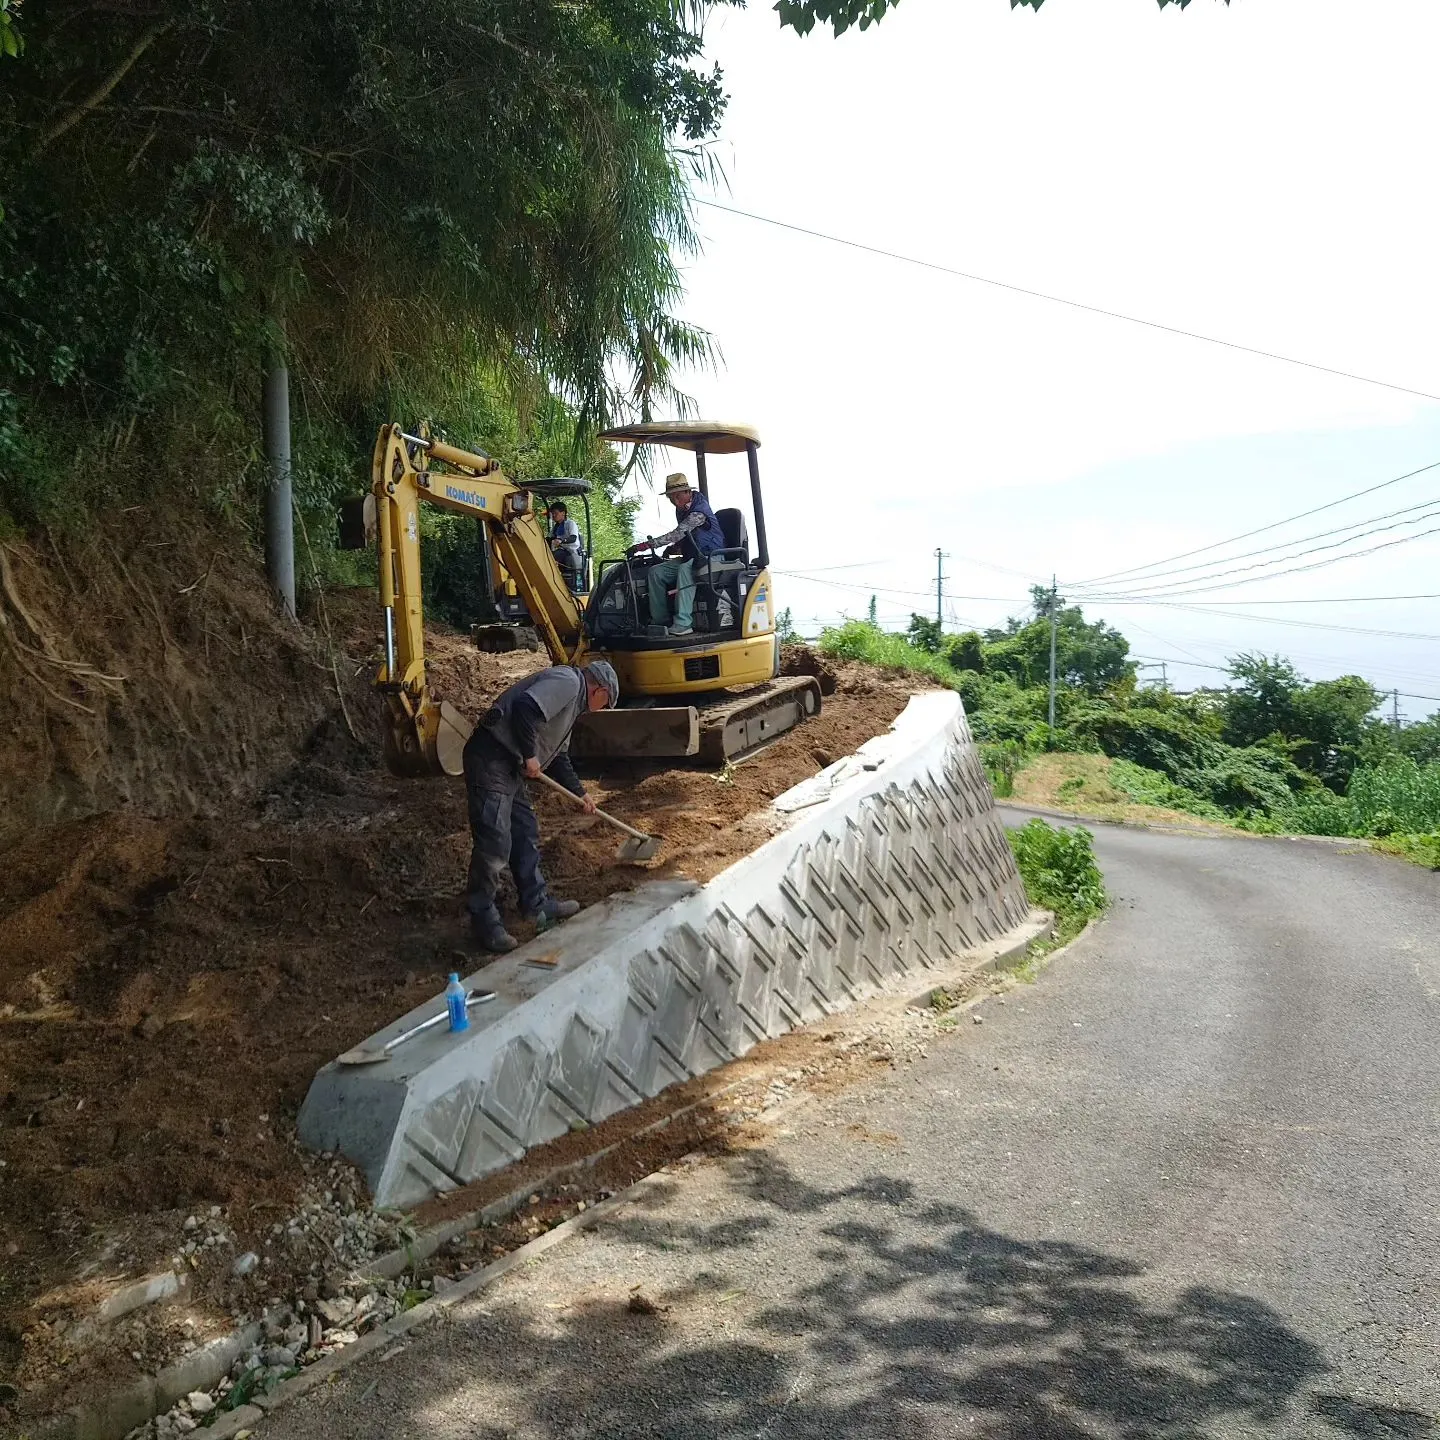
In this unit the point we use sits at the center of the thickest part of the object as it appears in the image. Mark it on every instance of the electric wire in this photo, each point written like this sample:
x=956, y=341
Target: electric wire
x=1263, y=529
x=1062, y=300
x=1143, y=584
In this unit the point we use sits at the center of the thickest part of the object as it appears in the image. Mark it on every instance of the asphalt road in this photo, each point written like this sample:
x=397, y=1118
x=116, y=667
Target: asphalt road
x=1186, y=1185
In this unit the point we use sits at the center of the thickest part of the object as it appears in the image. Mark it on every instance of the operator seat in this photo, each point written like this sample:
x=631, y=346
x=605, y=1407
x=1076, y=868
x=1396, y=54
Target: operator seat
x=716, y=574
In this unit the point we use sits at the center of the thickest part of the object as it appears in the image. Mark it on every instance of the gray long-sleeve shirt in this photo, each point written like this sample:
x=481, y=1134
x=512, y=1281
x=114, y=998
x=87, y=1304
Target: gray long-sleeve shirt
x=535, y=716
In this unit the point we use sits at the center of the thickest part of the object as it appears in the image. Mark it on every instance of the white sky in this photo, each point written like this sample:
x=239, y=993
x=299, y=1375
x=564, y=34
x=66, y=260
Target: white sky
x=1263, y=173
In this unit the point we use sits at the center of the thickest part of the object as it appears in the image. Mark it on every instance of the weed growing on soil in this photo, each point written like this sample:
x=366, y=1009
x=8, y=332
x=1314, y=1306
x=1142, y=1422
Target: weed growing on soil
x=1060, y=873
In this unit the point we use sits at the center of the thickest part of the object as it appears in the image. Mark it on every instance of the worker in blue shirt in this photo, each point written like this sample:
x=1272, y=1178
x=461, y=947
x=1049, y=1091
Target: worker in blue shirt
x=696, y=534
x=565, y=544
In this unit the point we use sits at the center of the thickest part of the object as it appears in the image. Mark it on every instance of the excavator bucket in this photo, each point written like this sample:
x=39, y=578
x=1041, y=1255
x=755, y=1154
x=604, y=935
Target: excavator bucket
x=429, y=743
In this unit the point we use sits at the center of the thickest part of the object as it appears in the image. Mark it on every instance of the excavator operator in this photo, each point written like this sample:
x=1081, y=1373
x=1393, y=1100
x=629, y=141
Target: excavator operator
x=525, y=732
x=696, y=534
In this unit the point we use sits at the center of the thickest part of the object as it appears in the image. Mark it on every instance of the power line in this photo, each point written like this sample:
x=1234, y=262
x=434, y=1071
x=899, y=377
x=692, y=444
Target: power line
x=1318, y=600
x=1304, y=624
x=1062, y=300
x=1273, y=525
x=1143, y=583
x=1171, y=593
x=1179, y=587
x=1225, y=669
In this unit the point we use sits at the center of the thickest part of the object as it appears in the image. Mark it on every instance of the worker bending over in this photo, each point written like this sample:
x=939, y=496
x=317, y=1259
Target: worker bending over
x=525, y=732
x=696, y=534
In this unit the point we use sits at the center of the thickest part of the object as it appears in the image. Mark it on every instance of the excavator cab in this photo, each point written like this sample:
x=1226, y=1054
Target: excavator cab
x=730, y=664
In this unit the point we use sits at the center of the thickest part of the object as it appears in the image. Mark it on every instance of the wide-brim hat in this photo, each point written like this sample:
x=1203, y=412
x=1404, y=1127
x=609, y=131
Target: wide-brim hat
x=677, y=482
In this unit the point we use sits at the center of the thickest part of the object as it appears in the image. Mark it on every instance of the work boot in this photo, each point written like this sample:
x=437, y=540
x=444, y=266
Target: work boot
x=552, y=912
x=489, y=933
x=678, y=630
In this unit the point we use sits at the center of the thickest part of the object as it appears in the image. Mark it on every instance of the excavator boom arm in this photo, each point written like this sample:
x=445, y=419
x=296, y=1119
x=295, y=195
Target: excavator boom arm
x=401, y=481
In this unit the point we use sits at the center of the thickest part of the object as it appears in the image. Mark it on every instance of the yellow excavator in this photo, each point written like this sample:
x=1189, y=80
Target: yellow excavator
x=725, y=676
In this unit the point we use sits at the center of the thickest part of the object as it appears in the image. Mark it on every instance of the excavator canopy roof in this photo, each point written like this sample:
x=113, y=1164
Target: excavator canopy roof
x=710, y=436
x=556, y=487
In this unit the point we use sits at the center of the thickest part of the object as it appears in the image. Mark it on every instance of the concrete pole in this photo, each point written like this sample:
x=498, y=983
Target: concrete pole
x=939, y=582
x=279, y=498
x=1054, y=605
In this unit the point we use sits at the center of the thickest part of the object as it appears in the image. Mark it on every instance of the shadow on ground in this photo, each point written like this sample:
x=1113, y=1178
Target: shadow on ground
x=905, y=1318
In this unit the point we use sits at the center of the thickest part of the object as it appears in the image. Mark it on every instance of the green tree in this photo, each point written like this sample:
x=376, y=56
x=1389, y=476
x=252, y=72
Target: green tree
x=925, y=634
x=1421, y=741
x=1089, y=655
x=965, y=652
x=802, y=15
x=872, y=614
x=414, y=192
x=1263, y=700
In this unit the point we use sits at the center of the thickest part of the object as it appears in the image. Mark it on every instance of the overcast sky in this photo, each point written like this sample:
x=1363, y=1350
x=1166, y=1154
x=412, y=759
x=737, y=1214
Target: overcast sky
x=1262, y=173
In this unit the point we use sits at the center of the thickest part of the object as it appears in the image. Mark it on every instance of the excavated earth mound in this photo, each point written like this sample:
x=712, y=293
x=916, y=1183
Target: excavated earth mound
x=169, y=985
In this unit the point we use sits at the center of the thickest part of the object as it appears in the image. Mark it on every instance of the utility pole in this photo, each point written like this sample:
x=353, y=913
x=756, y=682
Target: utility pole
x=279, y=498
x=1054, y=606
x=939, y=582
x=1395, y=710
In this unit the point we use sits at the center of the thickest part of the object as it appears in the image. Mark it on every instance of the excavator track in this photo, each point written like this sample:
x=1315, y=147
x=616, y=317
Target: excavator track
x=733, y=728
x=727, y=728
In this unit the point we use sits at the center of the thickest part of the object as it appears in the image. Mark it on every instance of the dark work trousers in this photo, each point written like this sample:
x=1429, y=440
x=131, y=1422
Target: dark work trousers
x=503, y=829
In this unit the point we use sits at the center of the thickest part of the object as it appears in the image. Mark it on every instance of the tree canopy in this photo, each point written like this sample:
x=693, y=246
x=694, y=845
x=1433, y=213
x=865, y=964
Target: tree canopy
x=401, y=189
x=803, y=15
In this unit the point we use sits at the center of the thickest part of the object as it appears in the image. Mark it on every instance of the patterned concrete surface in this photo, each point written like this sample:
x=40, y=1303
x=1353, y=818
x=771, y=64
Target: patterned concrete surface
x=888, y=864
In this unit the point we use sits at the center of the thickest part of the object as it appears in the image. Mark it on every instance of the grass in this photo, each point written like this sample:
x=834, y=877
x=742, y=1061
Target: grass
x=858, y=640
x=1104, y=789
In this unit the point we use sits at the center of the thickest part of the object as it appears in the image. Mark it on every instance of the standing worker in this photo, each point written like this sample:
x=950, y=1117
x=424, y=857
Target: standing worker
x=697, y=533
x=526, y=732
x=565, y=544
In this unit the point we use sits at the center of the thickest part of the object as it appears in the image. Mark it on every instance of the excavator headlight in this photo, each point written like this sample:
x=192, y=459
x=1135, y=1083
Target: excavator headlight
x=516, y=504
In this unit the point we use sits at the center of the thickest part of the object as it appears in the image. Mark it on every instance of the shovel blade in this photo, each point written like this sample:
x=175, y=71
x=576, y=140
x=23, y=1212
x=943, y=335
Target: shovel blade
x=633, y=851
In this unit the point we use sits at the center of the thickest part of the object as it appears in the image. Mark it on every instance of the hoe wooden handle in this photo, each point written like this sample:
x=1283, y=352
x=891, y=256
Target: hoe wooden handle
x=574, y=799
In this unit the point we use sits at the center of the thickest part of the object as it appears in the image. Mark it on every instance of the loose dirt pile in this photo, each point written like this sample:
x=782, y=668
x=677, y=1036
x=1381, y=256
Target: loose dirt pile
x=168, y=987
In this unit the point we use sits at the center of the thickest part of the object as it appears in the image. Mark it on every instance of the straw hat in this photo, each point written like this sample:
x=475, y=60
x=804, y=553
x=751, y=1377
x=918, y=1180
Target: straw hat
x=676, y=483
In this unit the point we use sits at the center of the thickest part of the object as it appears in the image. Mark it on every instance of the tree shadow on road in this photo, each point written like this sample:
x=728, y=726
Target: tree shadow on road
x=886, y=1316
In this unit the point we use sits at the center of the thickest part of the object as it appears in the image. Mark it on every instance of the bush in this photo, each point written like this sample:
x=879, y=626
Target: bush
x=1398, y=798
x=1060, y=873
x=859, y=640
x=1150, y=787
x=1001, y=762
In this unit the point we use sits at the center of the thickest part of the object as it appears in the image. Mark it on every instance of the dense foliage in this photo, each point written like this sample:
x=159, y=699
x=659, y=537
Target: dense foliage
x=407, y=202
x=803, y=15
x=1271, y=752
x=1060, y=874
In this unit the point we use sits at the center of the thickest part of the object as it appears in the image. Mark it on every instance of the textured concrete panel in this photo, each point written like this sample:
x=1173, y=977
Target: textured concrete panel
x=886, y=863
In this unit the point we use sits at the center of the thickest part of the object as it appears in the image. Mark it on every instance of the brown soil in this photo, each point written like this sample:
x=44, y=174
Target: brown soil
x=169, y=984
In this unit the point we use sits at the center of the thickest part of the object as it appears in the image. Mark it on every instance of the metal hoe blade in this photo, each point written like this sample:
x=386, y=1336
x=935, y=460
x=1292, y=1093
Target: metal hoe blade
x=633, y=851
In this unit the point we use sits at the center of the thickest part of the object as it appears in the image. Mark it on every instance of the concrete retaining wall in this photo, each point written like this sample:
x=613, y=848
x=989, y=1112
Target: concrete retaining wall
x=885, y=864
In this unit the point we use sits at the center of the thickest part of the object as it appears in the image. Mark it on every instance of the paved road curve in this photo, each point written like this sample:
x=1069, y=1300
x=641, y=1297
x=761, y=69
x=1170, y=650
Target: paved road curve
x=1185, y=1186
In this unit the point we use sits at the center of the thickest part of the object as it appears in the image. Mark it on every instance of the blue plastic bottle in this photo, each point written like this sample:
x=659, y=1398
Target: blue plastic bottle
x=455, y=1004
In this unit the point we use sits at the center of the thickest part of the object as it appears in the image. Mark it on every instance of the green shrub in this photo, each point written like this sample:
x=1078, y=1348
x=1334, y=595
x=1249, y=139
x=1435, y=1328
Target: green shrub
x=1150, y=787
x=1001, y=762
x=1059, y=870
x=859, y=640
x=1397, y=798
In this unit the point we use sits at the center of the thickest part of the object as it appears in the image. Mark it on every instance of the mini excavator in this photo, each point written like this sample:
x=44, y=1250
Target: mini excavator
x=715, y=695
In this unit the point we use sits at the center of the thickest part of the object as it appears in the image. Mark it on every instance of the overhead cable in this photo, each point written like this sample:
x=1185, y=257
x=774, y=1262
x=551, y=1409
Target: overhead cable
x=1261, y=530
x=1062, y=300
